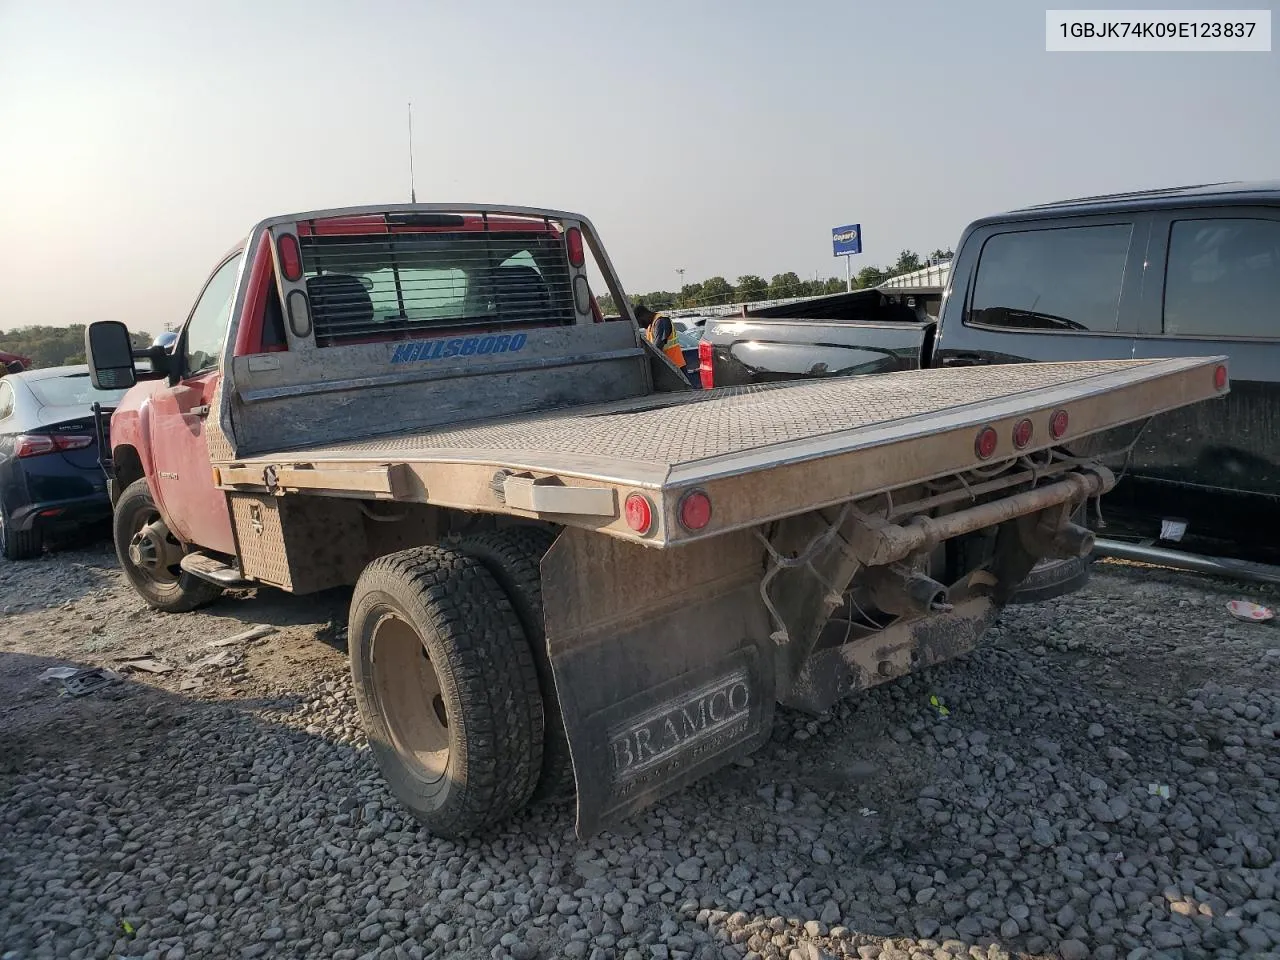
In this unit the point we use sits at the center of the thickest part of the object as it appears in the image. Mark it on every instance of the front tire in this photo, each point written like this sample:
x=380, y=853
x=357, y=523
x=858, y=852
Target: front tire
x=447, y=689
x=164, y=585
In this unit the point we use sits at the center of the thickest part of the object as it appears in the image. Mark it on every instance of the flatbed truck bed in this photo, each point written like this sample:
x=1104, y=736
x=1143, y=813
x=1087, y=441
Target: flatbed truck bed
x=813, y=443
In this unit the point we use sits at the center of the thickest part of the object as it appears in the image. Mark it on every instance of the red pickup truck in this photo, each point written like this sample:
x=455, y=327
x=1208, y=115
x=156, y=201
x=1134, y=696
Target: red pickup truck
x=571, y=570
x=13, y=363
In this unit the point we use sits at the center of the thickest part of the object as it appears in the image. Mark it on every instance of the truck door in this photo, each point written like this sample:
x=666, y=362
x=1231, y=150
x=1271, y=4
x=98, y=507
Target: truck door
x=1216, y=291
x=194, y=508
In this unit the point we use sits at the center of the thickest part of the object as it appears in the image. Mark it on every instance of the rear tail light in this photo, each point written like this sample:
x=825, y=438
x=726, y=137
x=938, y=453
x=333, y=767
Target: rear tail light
x=33, y=446
x=694, y=510
x=706, y=372
x=290, y=257
x=37, y=444
x=1058, y=424
x=581, y=294
x=639, y=513
x=985, y=443
x=573, y=241
x=1022, y=432
x=1220, y=377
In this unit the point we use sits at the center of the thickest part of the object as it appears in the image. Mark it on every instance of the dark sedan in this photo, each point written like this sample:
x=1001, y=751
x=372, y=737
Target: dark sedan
x=50, y=478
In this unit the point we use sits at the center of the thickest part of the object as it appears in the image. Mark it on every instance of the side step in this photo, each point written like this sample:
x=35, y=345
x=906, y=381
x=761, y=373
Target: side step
x=211, y=568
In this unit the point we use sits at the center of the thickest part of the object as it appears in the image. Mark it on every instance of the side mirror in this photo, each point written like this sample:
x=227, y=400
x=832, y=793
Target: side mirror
x=110, y=354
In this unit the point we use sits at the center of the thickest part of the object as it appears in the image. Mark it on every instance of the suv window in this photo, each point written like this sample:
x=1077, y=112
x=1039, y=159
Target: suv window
x=6, y=400
x=1223, y=278
x=207, y=326
x=1066, y=278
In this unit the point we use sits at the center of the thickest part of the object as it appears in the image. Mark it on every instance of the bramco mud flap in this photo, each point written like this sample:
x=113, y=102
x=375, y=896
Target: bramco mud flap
x=662, y=662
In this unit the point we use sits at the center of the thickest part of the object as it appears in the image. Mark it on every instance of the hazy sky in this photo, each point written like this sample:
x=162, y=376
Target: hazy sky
x=140, y=141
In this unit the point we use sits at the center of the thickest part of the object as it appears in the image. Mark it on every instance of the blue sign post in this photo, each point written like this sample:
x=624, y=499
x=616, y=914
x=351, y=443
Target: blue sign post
x=846, y=241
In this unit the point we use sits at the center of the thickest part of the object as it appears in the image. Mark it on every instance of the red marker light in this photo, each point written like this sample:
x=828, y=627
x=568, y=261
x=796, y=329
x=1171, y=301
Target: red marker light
x=695, y=510
x=573, y=241
x=1058, y=424
x=290, y=257
x=639, y=513
x=1220, y=377
x=1023, y=430
x=985, y=444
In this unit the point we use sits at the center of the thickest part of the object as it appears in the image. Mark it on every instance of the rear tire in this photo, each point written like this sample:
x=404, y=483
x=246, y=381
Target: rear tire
x=20, y=544
x=171, y=589
x=514, y=556
x=447, y=689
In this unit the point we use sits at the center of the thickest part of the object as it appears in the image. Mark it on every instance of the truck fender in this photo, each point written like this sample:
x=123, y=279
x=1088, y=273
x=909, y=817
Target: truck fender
x=131, y=446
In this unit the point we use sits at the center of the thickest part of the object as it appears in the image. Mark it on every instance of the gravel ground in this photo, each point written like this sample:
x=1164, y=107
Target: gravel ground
x=1100, y=780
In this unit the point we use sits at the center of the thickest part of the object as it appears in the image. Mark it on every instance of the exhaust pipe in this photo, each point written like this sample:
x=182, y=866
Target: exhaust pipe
x=1070, y=541
x=1216, y=566
x=905, y=594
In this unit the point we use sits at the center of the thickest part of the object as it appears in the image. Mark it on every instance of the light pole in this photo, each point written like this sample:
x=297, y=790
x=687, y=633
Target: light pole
x=680, y=288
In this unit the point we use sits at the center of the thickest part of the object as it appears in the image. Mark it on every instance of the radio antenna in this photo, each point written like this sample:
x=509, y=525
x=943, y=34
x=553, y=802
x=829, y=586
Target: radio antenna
x=413, y=195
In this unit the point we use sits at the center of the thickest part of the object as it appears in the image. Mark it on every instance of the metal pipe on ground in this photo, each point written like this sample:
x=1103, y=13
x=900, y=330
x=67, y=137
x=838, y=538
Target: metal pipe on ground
x=1216, y=566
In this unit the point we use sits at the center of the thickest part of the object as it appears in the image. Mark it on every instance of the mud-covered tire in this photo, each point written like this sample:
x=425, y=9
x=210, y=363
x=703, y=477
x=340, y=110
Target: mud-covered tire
x=185, y=591
x=447, y=688
x=513, y=556
x=20, y=544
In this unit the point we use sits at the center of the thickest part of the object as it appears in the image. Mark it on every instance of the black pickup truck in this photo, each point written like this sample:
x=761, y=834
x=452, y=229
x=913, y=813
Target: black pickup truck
x=1161, y=273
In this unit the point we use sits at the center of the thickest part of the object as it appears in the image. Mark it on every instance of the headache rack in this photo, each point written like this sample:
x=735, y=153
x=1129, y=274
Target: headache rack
x=414, y=276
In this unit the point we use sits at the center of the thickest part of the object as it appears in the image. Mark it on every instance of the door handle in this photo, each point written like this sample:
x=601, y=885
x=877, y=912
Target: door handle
x=964, y=360
x=200, y=411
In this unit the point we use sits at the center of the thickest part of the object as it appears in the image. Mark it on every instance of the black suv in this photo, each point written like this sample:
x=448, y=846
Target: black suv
x=1163, y=273
x=1186, y=271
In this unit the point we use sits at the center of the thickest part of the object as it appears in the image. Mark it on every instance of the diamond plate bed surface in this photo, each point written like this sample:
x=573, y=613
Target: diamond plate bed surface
x=670, y=429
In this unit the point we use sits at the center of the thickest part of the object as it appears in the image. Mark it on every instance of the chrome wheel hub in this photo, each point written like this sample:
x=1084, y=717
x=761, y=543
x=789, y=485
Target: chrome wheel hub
x=154, y=550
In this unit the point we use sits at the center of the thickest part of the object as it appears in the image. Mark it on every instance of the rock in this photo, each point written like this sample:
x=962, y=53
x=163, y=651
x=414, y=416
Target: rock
x=690, y=870
x=1096, y=731
x=1073, y=950
x=1101, y=811
x=396, y=884
x=1255, y=938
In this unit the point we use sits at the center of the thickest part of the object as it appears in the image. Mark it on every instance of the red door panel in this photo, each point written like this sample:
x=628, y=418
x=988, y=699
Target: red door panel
x=194, y=508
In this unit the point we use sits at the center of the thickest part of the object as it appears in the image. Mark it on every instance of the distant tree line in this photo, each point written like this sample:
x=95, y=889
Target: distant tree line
x=718, y=291
x=53, y=346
